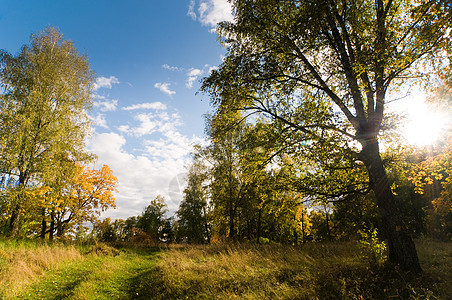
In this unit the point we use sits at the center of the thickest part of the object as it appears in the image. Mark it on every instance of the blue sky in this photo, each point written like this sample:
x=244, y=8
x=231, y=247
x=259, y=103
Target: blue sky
x=149, y=57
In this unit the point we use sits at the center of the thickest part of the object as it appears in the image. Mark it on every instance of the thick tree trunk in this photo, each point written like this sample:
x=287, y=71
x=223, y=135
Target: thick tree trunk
x=231, y=223
x=259, y=225
x=43, y=224
x=60, y=229
x=402, y=250
x=327, y=223
x=17, y=210
x=15, y=219
x=52, y=225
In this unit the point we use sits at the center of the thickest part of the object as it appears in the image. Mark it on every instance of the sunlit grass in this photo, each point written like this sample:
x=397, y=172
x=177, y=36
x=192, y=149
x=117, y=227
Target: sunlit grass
x=312, y=271
x=98, y=276
x=36, y=270
x=21, y=261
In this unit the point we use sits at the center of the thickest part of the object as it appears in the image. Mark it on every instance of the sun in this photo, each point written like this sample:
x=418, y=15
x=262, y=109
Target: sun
x=424, y=124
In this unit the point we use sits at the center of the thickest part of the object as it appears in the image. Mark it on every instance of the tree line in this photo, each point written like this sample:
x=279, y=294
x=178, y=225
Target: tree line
x=241, y=195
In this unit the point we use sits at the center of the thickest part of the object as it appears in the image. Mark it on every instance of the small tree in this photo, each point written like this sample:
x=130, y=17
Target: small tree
x=152, y=221
x=81, y=199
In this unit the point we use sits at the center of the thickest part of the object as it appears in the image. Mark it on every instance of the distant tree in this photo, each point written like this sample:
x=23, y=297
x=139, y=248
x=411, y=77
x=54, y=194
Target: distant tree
x=226, y=190
x=105, y=231
x=43, y=105
x=168, y=230
x=192, y=213
x=130, y=227
x=152, y=221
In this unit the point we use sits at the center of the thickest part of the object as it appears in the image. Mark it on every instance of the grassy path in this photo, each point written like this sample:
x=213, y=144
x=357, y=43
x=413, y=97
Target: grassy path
x=116, y=276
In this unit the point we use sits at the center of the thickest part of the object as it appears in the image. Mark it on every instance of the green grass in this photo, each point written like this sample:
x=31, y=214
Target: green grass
x=312, y=271
x=22, y=261
x=96, y=277
x=234, y=271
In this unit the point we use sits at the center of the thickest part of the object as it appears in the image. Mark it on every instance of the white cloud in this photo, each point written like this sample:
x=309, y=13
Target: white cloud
x=211, y=12
x=142, y=177
x=191, y=10
x=193, y=74
x=149, y=105
x=108, y=105
x=99, y=120
x=104, y=82
x=164, y=87
x=150, y=123
x=124, y=128
x=170, y=68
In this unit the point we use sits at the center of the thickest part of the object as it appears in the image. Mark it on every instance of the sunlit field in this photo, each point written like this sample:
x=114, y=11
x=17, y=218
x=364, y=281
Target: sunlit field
x=229, y=271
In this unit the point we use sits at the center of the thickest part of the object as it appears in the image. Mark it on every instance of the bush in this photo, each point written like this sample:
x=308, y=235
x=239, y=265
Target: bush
x=263, y=240
x=372, y=249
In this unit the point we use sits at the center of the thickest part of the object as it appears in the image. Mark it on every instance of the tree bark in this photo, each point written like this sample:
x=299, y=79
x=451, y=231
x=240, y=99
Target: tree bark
x=259, y=225
x=15, y=219
x=401, y=247
x=52, y=225
x=15, y=214
x=43, y=224
x=327, y=223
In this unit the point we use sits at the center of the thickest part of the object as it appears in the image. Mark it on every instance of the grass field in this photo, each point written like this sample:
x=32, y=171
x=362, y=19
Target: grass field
x=36, y=270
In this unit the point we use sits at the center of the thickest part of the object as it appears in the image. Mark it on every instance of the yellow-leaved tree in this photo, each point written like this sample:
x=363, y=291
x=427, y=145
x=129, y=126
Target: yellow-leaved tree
x=88, y=193
x=433, y=179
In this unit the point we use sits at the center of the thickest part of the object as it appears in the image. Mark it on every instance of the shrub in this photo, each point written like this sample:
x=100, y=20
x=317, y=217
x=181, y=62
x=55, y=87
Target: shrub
x=372, y=249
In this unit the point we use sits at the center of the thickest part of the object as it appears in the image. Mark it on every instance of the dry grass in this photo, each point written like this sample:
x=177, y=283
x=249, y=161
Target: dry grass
x=228, y=271
x=436, y=260
x=23, y=261
x=248, y=271
x=312, y=271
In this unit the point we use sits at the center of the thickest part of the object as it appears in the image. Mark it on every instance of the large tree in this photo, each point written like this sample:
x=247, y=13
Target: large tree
x=43, y=104
x=325, y=69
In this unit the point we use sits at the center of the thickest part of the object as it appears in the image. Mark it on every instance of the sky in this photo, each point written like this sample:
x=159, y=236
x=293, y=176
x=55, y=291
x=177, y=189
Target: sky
x=149, y=57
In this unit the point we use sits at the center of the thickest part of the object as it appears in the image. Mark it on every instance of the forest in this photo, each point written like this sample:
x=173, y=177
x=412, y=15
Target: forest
x=302, y=151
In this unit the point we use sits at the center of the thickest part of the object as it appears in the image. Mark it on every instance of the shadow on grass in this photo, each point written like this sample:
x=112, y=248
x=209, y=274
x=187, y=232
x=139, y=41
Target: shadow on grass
x=344, y=283
x=55, y=290
x=386, y=282
x=66, y=283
